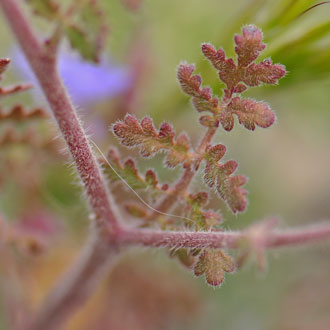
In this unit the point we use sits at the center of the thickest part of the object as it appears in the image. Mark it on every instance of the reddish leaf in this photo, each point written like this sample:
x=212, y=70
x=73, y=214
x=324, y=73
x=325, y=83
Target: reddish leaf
x=219, y=176
x=264, y=72
x=217, y=58
x=214, y=264
x=202, y=97
x=133, y=134
x=216, y=152
x=249, y=113
x=248, y=45
x=189, y=84
x=18, y=113
x=4, y=62
x=226, y=67
x=208, y=121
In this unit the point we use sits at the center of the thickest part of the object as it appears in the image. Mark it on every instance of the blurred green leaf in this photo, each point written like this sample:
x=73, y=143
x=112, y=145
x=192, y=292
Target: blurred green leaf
x=46, y=8
x=79, y=41
x=286, y=11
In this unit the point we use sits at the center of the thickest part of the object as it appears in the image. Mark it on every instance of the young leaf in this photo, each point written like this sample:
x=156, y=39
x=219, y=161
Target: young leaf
x=264, y=72
x=48, y=9
x=204, y=220
x=248, y=45
x=129, y=172
x=226, y=67
x=144, y=135
x=18, y=113
x=245, y=73
x=191, y=85
x=249, y=113
x=214, y=264
x=219, y=176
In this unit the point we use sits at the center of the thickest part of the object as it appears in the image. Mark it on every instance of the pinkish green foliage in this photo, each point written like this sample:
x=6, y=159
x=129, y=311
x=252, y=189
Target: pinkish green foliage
x=191, y=85
x=196, y=210
x=214, y=263
x=150, y=141
x=249, y=113
x=237, y=75
x=129, y=171
x=83, y=23
x=219, y=176
x=178, y=217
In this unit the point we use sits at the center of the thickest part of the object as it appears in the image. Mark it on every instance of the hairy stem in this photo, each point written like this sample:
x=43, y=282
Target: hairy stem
x=206, y=140
x=175, y=239
x=45, y=70
x=80, y=281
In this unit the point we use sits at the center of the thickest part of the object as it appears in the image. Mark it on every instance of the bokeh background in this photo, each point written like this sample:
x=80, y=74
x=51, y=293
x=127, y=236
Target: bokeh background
x=42, y=204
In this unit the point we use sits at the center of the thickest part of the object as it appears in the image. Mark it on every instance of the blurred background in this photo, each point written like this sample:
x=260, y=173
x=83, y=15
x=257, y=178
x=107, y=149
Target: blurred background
x=41, y=204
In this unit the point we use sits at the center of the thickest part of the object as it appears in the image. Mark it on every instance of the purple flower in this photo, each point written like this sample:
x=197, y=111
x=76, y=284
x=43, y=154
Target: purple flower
x=86, y=82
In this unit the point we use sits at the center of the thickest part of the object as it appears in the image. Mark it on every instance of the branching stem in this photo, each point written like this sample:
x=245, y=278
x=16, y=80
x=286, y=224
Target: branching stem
x=109, y=235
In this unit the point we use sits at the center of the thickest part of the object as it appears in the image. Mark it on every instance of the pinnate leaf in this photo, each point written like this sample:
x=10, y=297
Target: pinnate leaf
x=245, y=73
x=191, y=85
x=249, y=112
x=214, y=264
x=195, y=210
x=144, y=135
x=226, y=67
x=248, y=45
x=219, y=176
x=129, y=172
x=264, y=72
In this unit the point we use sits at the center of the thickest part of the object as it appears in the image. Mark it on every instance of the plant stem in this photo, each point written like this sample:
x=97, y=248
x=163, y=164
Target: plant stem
x=75, y=287
x=175, y=239
x=45, y=70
